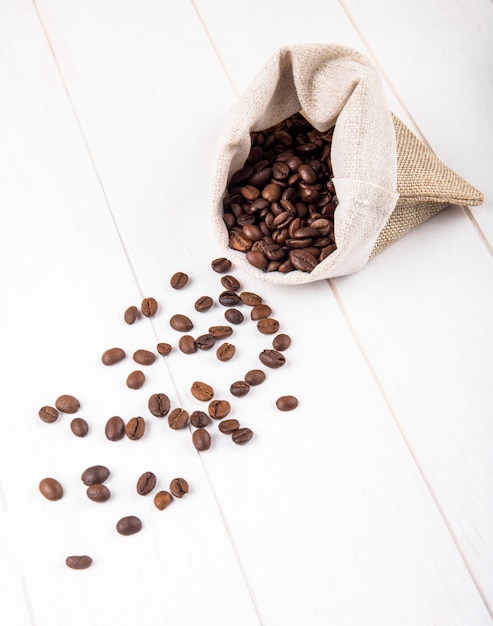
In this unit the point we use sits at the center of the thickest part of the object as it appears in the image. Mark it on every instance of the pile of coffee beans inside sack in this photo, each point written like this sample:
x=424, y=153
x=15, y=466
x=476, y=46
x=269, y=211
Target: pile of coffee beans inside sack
x=279, y=207
x=158, y=404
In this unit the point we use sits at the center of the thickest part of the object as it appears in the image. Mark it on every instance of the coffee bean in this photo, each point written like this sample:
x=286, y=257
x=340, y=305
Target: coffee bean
x=162, y=499
x=129, y=525
x=255, y=377
x=281, y=342
x=144, y=357
x=205, y=342
x=230, y=283
x=187, y=344
x=268, y=326
x=48, y=414
x=229, y=298
x=136, y=379
x=219, y=409
x=181, y=323
x=286, y=403
x=98, y=493
x=242, y=436
x=51, y=489
x=95, y=475
x=303, y=260
x=67, y=404
x=272, y=358
x=114, y=429
x=179, y=487
x=135, y=428
x=226, y=351
x=233, y=316
x=257, y=258
x=146, y=483
x=203, y=303
x=112, y=356
x=178, y=280
x=239, y=389
x=79, y=427
x=178, y=418
x=159, y=404
x=199, y=419
x=201, y=391
x=81, y=561
x=229, y=426
x=221, y=265
x=131, y=315
x=164, y=348
x=249, y=298
x=239, y=241
x=149, y=307
x=201, y=439
x=221, y=332
x=260, y=311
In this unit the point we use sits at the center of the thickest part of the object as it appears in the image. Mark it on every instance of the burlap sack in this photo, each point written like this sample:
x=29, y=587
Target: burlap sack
x=386, y=180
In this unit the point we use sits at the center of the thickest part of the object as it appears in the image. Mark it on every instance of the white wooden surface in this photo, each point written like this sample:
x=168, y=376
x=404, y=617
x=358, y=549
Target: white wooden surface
x=372, y=502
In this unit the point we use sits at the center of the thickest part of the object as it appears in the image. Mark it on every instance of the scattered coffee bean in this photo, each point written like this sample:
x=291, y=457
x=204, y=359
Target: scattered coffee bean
x=201, y=439
x=51, y=489
x=268, y=326
x=226, y=351
x=272, y=358
x=229, y=298
x=221, y=332
x=95, y=475
x=178, y=418
x=205, y=342
x=187, y=344
x=221, y=265
x=230, y=283
x=144, y=357
x=67, y=404
x=199, y=419
x=131, y=315
x=178, y=487
x=286, y=403
x=81, y=561
x=260, y=311
x=79, y=427
x=229, y=426
x=203, y=303
x=112, y=356
x=178, y=280
x=233, y=316
x=129, y=525
x=164, y=348
x=242, y=436
x=181, y=323
x=219, y=409
x=114, y=429
x=136, y=379
x=98, y=493
x=202, y=391
x=48, y=414
x=159, y=404
x=249, y=298
x=162, y=499
x=149, y=307
x=239, y=389
x=255, y=377
x=281, y=342
x=135, y=428
x=146, y=483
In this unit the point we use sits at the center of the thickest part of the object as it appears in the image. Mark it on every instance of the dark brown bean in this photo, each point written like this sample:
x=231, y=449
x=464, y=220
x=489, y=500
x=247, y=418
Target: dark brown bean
x=162, y=499
x=179, y=487
x=219, y=409
x=114, y=429
x=159, y=404
x=135, y=379
x=199, y=419
x=229, y=426
x=257, y=258
x=164, y=348
x=286, y=403
x=48, y=414
x=229, y=298
x=51, y=489
x=242, y=436
x=187, y=344
x=204, y=303
x=78, y=561
x=281, y=342
x=239, y=388
x=67, y=404
x=221, y=265
x=201, y=439
x=146, y=483
x=250, y=298
x=226, y=351
x=255, y=377
x=98, y=493
x=272, y=358
x=95, y=475
x=267, y=326
x=135, y=428
x=79, y=427
x=112, y=356
x=221, y=332
x=149, y=307
x=303, y=260
x=178, y=418
x=181, y=323
x=233, y=316
x=131, y=315
x=144, y=357
x=205, y=342
x=129, y=525
x=260, y=311
x=230, y=283
x=178, y=280
x=202, y=391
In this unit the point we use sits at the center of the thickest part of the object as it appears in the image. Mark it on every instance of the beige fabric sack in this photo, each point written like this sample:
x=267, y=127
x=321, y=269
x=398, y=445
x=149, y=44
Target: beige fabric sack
x=386, y=180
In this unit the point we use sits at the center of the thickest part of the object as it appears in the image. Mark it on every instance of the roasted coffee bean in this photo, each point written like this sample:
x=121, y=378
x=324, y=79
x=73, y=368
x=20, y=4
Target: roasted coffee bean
x=178, y=418
x=202, y=391
x=229, y=426
x=187, y=344
x=48, y=414
x=242, y=436
x=129, y=525
x=67, y=404
x=229, y=298
x=260, y=311
x=281, y=342
x=78, y=561
x=226, y=351
x=178, y=487
x=149, y=307
x=79, y=427
x=255, y=377
x=112, y=356
x=239, y=389
x=144, y=357
x=98, y=493
x=230, y=283
x=51, y=489
x=272, y=358
x=181, y=323
x=164, y=348
x=257, y=258
x=219, y=409
x=286, y=403
x=221, y=265
x=146, y=483
x=201, y=439
x=162, y=499
x=199, y=419
x=268, y=326
x=136, y=379
x=239, y=241
x=205, y=342
x=221, y=332
x=131, y=315
x=302, y=260
x=233, y=316
x=95, y=475
x=135, y=428
x=203, y=303
x=159, y=404
x=114, y=429
x=178, y=280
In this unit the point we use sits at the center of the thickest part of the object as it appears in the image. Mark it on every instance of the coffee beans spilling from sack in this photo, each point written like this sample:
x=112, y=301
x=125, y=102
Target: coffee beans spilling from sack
x=279, y=207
